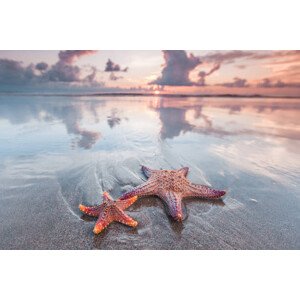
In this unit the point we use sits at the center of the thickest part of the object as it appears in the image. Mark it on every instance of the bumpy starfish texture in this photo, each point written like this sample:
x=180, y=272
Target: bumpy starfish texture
x=110, y=211
x=172, y=186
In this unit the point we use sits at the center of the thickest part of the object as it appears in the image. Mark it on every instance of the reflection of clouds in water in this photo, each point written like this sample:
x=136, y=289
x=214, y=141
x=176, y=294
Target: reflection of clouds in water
x=70, y=114
x=113, y=119
x=86, y=138
x=173, y=122
x=277, y=117
x=206, y=116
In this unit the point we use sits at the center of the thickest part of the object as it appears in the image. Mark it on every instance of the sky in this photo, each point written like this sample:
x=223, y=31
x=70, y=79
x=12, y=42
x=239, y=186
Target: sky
x=273, y=73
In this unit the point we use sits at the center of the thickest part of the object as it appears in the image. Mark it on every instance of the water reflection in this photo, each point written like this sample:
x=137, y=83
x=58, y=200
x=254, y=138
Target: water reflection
x=224, y=117
x=113, y=118
x=83, y=120
x=71, y=114
x=173, y=122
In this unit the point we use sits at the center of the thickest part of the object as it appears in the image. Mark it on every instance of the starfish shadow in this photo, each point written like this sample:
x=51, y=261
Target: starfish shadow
x=87, y=218
x=176, y=226
x=154, y=201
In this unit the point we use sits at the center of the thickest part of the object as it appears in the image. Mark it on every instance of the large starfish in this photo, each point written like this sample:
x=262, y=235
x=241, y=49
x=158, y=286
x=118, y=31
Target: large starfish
x=172, y=186
x=110, y=211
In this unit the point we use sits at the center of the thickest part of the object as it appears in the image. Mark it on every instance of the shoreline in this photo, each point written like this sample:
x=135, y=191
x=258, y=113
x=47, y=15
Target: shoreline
x=146, y=95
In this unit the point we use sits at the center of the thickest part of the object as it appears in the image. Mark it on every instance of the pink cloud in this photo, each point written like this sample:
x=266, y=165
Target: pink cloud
x=69, y=56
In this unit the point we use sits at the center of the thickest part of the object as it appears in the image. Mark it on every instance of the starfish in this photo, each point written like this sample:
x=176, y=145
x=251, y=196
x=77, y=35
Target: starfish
x=172, y=186
x=110, y=211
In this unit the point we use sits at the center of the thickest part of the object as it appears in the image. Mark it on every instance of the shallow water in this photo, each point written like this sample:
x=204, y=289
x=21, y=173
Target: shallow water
x=57, y=152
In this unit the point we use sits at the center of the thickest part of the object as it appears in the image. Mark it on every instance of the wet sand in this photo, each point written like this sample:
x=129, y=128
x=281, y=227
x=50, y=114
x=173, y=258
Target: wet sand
x=56, y=153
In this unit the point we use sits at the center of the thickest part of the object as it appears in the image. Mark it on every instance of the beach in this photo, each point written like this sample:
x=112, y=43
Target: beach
x=57, y=152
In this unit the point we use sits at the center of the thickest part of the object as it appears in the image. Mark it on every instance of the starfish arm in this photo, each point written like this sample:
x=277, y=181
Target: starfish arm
x=203, y=191
x=103, y=221
x=184, y=171
x=147, y=171
x=121, y=217
x=106, y=197
x=93, y=211
x=174, y=204
x=123, y=204
x=145, y=189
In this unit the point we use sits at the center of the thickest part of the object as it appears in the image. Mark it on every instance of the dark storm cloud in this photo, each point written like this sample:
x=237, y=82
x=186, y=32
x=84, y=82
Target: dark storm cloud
x=69, y=56
x=236, y=83
x=13, y=72
x=177, y=68
x=112, y=67
x=42, y=66
x=267, y=83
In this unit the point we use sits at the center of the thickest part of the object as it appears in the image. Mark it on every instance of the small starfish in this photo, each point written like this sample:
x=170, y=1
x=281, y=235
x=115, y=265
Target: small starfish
x=172, y=186
x=110, y=211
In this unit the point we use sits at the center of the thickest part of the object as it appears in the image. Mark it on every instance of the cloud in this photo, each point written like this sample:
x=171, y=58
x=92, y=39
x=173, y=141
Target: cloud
x=230, y=56
x=282, y=54
x=13, y=72
x=112, y=67
x=227, y=56
x=267, y=83
x=69, y=56
x=202, y=75
x=113, y=77
x=65, y=71
x=291, y=71
x=42, y=66
x=236, y=83
x=92, y=76
x=61, y=72
x=177, y=68
x=219, y=58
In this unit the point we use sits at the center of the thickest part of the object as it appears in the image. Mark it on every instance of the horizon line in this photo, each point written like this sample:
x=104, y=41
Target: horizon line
x=124, y=94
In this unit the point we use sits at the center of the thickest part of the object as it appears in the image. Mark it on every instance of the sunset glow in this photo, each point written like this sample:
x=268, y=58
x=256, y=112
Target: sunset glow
x=273, y=73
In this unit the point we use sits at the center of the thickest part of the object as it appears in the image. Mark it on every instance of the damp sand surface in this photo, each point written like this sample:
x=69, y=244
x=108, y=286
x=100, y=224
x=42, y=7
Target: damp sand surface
x=57, y=152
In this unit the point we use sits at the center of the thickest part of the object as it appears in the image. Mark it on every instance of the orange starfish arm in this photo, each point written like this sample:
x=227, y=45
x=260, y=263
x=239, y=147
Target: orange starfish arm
x=123, y=204
x=93, y=211
x=121, y=217
x=103, y=221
